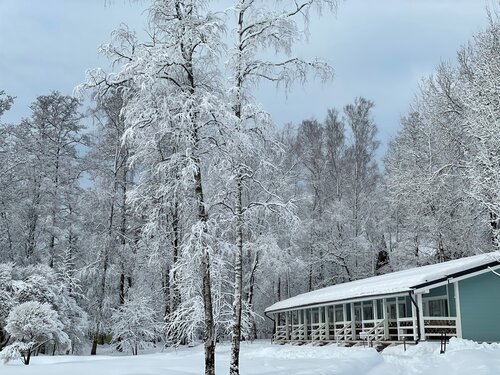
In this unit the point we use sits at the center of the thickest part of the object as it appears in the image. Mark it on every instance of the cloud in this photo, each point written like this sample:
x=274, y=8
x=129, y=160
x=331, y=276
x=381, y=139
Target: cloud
x=379, y=49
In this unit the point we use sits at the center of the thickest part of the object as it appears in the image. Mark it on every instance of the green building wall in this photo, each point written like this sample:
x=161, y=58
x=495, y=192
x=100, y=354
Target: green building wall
x=480, y=307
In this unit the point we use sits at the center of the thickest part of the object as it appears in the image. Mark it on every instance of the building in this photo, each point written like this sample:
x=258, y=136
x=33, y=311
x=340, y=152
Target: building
x=458, y=298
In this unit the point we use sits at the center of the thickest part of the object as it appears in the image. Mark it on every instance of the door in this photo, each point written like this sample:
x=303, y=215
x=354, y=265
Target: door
x=391, y=310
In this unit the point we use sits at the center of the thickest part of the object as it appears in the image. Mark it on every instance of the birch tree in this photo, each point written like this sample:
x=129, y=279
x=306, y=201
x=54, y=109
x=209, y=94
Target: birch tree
x=174, y=74
x=259, y=27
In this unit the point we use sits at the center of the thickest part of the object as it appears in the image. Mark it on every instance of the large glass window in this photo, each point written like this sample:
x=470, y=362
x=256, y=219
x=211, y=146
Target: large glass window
x=380, y=309
x=314, y=315
x=339, y=313
x=402, y=310
x=367, y=310
x=391, y=311
x=436, y=307
x=357, y=311
x=330, y=313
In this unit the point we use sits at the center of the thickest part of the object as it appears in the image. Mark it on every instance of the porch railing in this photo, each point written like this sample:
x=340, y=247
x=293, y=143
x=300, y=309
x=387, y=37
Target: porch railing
x=297, y=333
x=319, y=332
x=434, y=326
x=374, y=329
x=343, y=331
x=280, y=335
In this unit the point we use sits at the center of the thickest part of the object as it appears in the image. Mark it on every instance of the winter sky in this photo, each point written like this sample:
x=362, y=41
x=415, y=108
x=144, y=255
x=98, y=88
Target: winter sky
x=379, y=49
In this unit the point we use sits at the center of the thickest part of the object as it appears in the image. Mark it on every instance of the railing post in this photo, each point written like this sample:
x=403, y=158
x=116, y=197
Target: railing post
x=287, y=327
x=301, y=323
x=421, y=316
x=443, y=342
x=414, y=321
x=397, y=318
x=386, y=321
x=458, y=322
x=306, y=322
x=353, y=323
x=327, y=323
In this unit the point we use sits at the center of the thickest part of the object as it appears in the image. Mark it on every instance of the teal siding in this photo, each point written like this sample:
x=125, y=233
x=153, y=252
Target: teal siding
x=480, y=307
x=436, y=292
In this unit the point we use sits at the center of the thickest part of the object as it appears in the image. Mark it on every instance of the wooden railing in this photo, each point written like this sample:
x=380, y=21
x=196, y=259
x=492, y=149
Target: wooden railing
x=343, y=331
x=435, y=326
x=406, y=328
x=297, y=333
x=374, y=330
x=280, y=335
x=319, y=332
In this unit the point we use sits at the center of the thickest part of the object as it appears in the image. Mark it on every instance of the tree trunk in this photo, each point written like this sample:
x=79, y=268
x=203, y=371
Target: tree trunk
x=27, y=357
x=175, y=294
x=234, y=368
x=4, y=339
x=251, y=286
x=93, y=350
x=209, y=332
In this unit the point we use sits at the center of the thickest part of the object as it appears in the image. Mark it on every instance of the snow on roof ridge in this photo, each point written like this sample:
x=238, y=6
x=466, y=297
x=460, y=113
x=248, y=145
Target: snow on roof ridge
x=394, y=282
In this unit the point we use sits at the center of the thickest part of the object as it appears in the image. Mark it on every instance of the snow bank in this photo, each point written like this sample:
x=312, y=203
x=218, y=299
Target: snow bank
x=462, y=358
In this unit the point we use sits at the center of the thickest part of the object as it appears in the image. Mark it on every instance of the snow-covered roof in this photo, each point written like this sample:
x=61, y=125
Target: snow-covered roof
x=391, y=283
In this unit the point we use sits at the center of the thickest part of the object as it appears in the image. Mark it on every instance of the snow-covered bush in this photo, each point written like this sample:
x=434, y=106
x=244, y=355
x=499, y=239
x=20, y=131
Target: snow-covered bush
x=135, y=325
x=16, y=351
x=34, y=324
x=35, y=283
x=40, y=283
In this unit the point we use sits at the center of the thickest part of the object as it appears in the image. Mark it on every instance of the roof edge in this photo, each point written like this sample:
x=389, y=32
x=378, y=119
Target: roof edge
x=370, y=296
x=361, y=298
x=458, y=274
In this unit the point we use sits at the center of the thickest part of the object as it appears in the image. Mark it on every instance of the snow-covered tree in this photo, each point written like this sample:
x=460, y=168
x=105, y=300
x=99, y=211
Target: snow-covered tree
x=174, y=83
x=9, y=161
x=34, y=324
x=260, y=26
x=43, y=172
x=134, y=325
x=479, y=65
x=428, y=187
x=43, y=285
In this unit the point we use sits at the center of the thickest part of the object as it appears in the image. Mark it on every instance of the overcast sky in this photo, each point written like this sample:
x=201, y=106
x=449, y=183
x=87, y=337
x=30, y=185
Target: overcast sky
x=379, y=49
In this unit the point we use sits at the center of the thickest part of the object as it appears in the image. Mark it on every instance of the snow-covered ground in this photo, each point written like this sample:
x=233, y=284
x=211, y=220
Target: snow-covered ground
x=462, y=357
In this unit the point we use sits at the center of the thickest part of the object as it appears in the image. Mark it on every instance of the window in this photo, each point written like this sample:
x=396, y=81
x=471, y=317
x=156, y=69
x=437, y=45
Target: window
x=435, y=307
x=314, y=315
x=357, y=311
x=330, y=313
x=339, y=313
x=391, y=311
x=402, y=310
x=367, y=311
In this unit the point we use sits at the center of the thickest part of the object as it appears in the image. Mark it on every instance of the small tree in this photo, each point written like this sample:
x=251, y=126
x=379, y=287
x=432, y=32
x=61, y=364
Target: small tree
x=31, y=325
x=134, y=324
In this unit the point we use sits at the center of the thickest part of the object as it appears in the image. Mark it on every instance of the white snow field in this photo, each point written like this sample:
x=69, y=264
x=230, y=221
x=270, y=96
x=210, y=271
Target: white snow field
x=462, y=357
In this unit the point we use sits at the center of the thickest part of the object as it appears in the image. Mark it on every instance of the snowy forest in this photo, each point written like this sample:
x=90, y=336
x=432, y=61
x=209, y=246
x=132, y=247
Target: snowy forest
x=160, y=205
